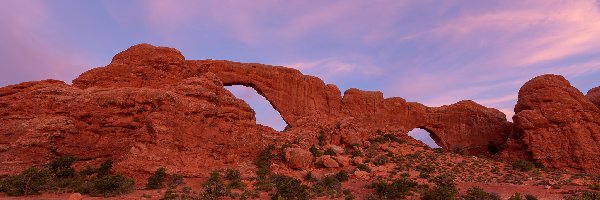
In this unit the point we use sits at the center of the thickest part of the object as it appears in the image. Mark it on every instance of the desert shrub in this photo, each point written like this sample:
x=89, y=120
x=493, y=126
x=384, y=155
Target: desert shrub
x=105, y=168
x=445, y=189
x=30, y=181
x=321, y=138
x=214, y=187
x=585, y=195
x=107, y=185
x=363, y=167
x=61, y=167
x=289, y=188
x=425, y=170
x=234, y=179
x=476, y=193
x=348, y=195
x=60, y=175
x=310, y=177
x=157, y=179
x=233, y=175
x=315, y=152
x=530, y=197
x=263, y=162
x=523, y=165
x=392, y=137
x=397, y=189
x=380, y=160
x=358, y=153
x=439, y=150
x=329, y=185
x=330, y=152
x=170, y=194
x=342, y=176
x=516, y=196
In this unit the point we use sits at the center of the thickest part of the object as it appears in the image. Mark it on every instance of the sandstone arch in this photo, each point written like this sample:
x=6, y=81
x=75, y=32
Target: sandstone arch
x=425, y=136
x=265, y=112
x=304, y=100
x=295, y=96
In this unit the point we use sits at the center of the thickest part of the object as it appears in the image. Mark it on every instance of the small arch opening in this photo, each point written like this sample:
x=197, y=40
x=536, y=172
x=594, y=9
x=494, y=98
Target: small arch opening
x=424, y=136
x=265, y=112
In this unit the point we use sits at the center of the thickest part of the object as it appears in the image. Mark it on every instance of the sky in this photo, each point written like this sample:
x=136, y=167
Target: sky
x=429, y=51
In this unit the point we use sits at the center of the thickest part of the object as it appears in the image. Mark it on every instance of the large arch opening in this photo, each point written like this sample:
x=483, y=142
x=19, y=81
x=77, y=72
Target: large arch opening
x=424, y=136
x=265, y=112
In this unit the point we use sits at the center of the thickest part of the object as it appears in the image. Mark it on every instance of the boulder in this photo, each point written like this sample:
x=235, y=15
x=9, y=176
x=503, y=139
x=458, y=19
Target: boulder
x=298, y=158
x=558, y=126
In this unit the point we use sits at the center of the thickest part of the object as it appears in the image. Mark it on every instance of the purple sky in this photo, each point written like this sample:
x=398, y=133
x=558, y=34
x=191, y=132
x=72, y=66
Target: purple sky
x=430, y=51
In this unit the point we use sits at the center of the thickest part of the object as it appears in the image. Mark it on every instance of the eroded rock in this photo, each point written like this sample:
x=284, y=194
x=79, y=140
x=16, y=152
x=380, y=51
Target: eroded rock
x=558, y=125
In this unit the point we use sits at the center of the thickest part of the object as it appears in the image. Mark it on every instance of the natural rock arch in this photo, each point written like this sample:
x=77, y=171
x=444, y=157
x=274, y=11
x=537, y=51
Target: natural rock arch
x=277, y=118
x=429, y=133
x=304, y=100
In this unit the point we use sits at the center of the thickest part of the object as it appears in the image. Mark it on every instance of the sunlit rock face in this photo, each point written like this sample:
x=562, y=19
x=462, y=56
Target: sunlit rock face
x=559, y=126
x=151, y=108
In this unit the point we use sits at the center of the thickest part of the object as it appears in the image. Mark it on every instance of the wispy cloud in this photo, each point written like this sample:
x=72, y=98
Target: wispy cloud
x=26, y=54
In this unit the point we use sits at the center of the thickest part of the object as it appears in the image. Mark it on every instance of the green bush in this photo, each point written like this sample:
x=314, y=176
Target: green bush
x=105, y=168
x=310, y=177
x=234, y=178
x=157, y=179
x=28, y=182
x=363, y=167
x=60, y=175
x=397, y=189
x=585, y=195
x=264, y=160
x=330, y=152
x=342, y=176
x=315, y=152
x=445, y=189
x=321, y=138
x=476, y=193
x=516, y=196
x=214, y=187
x=107, y=185
x=329, y=185
x=523, y=165
x=380, y=160
x=289, y=188
x=530, y=197
x=61, y=167
x=357, y=153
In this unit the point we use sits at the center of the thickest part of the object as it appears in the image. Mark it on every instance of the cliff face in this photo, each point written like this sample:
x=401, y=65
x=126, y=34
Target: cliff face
x=558, y=124
x=150, y=108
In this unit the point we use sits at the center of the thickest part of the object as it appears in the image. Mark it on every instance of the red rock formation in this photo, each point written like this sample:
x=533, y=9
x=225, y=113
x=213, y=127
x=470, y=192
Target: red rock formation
x=558, y=125
x=150, y=107
x=189, y=126
x=306, y=101
x=594, y=95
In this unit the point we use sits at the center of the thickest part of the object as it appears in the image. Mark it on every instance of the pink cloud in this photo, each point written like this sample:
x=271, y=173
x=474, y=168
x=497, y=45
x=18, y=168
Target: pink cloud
x=30, y=56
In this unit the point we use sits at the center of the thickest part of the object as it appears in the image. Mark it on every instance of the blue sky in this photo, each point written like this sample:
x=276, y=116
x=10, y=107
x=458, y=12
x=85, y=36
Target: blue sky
x=429, y=51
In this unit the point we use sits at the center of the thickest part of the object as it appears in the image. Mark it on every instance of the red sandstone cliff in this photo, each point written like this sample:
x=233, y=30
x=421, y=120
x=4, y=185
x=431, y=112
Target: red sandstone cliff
x=150, y=107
